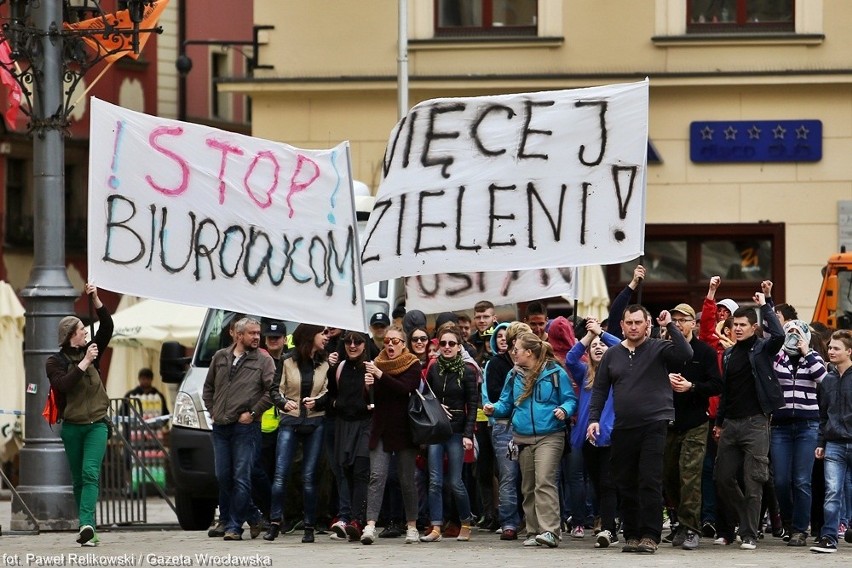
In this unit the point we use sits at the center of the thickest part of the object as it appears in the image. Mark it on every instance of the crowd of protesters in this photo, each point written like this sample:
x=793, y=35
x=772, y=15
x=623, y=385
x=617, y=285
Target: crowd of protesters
x=722, y=418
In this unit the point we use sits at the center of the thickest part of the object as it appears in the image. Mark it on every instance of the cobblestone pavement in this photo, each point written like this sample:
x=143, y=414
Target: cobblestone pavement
x=172, y=546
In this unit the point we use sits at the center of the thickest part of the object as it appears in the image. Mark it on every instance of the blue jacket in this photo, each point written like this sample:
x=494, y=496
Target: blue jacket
x=534, y=415
x=578, y=370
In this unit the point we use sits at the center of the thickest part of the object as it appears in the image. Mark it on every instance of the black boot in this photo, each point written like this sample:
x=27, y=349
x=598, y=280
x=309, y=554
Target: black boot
x=272, y=531
x=309, y=535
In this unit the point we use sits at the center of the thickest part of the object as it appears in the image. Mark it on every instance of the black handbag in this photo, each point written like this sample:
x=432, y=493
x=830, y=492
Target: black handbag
x=428, y=420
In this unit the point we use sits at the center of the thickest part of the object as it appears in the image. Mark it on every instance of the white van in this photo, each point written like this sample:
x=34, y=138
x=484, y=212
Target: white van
x=191, y=438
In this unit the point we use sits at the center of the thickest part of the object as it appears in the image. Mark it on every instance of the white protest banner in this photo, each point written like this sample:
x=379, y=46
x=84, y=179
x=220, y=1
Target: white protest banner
x=436, y=293
x=512, y=182
x=191, y=214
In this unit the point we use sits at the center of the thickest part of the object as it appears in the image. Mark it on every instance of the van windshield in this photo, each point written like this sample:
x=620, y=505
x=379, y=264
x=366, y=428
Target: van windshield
x=214, y=336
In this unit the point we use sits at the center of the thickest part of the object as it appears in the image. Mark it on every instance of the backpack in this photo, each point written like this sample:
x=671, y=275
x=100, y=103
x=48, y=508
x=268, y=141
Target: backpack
x=54, y=406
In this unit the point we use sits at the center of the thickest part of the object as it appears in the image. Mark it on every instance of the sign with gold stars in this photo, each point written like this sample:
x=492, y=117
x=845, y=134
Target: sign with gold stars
x=755, y=141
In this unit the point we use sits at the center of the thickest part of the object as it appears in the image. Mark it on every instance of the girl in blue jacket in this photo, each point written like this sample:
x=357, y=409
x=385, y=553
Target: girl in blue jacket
x=539, y=398
x=595, y=456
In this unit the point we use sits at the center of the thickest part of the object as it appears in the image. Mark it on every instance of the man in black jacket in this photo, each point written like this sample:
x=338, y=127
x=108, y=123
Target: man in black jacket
x=636, y=369
x=686, y=442
x=749, y=396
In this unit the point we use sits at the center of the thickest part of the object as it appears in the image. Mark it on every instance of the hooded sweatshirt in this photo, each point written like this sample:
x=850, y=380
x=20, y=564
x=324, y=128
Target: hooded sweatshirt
x=561, y=337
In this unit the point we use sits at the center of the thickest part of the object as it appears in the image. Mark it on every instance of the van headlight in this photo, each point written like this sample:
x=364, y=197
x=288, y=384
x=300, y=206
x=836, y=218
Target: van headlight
x=185, y=413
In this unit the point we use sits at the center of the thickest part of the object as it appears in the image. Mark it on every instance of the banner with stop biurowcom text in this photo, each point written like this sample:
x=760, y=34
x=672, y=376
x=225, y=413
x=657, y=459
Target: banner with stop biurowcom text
x=191, y=214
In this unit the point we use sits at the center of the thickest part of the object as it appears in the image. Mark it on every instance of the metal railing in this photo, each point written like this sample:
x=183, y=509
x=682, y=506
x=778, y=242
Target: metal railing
x=135, y=463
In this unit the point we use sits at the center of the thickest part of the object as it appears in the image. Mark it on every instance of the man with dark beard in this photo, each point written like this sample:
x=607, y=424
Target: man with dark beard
x=235, y=394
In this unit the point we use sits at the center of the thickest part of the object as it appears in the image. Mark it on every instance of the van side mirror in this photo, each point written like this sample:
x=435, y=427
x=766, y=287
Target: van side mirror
x=173, y=362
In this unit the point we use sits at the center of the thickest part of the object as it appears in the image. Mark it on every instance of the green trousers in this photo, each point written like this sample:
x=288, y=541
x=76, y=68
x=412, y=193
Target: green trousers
x=85, y=446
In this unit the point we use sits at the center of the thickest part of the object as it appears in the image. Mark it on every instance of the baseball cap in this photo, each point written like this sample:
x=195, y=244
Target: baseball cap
x=380, y=318
x=273, y=328
x=729, y=304
x=684, y=309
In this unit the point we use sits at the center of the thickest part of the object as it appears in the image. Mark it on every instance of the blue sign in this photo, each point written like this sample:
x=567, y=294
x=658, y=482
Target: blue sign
x=756, y=141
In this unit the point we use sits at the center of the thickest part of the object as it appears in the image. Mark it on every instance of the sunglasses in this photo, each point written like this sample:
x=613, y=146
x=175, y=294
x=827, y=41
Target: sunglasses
x=420, y=339
x=354, y=341
x=392, y=340
x=448, y=343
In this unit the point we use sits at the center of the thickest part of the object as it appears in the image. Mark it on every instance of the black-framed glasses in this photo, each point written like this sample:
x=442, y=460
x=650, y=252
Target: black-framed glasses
x=448, y=343
x=420, y=339
x=392, y=340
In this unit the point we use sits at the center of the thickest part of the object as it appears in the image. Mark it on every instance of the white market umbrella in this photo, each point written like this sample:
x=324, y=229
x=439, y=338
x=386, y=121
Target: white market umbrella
x=13, y=377
x=593, y=296
x=140, y=330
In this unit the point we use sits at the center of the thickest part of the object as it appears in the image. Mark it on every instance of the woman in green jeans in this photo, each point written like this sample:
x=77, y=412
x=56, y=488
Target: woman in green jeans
x=83, y=405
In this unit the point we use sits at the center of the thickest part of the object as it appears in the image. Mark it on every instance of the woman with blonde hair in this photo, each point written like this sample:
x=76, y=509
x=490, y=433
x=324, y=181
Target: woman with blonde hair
x=539, y=398
x=593, y=457
x=395, y=374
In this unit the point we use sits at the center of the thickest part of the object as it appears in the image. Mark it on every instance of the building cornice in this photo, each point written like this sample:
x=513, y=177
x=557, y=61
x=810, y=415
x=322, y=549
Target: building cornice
x=302, y=85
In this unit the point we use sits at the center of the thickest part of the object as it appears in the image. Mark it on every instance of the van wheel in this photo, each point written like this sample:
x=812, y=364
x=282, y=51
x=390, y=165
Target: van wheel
x=194, y=514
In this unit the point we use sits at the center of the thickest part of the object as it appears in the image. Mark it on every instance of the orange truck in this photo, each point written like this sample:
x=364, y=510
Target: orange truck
x=834, y=304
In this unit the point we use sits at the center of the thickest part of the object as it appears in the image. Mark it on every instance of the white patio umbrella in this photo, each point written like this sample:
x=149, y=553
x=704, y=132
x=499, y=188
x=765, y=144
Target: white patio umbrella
x=141, y=327
x=593, y=297
x=13, y=376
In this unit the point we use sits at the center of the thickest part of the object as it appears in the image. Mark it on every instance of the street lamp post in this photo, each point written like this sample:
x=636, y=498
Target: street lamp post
x=48, y=62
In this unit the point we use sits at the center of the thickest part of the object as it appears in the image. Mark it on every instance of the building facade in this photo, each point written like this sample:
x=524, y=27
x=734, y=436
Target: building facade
x=150, y=84
x=747, y=207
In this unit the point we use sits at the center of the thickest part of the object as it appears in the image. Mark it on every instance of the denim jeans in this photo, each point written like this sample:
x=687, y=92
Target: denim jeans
x=507, y=477
x=838, y=463
x=485, y=469
x=455, y=460
x=792, y=452
x=311, y=443
x=85, y=446
x=744, y=443
x=576, y=486
x=234, y=452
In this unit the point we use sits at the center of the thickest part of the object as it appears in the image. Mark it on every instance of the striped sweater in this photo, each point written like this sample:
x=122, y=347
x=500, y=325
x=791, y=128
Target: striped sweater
x=800, y=387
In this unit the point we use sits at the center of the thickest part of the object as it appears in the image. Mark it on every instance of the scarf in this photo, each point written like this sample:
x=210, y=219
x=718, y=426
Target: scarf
x=452, y=366
x=398, y=365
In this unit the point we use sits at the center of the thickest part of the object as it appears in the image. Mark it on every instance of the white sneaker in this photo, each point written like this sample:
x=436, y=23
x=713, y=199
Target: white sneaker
x=721, y=541
x=530, y=541
x=578, y=532
x=748, y=544
x=369, y=534
x=338, y=531
x=412, y=535
x=86, y=534
x=603, y=539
